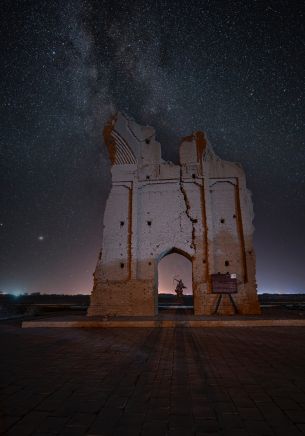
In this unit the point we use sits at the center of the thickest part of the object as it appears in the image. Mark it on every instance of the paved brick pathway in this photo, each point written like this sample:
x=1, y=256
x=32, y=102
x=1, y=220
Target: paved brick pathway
x=152, y=382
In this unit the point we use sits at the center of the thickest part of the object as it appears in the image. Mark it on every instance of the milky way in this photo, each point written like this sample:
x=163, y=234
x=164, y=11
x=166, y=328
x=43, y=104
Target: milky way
x=234, y=69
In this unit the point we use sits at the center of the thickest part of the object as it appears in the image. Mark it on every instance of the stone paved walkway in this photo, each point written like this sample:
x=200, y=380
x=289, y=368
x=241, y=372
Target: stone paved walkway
x=152, y=382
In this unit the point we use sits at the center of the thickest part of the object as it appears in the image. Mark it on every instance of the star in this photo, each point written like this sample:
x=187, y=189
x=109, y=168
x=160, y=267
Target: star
x=40, y=238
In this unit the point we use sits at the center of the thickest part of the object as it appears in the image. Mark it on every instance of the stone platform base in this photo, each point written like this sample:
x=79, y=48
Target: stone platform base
x=160, y=323
x=139, y=298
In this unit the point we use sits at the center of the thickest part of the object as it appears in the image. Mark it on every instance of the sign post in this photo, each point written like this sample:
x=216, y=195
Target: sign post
x=224, y=284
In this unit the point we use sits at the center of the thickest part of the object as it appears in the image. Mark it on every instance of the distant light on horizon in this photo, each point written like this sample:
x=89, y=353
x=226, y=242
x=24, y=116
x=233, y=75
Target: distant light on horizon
x=17, y=293
x=274, y=291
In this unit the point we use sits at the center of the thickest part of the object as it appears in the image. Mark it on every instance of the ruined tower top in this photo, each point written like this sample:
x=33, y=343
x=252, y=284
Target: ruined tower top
x=129, y=143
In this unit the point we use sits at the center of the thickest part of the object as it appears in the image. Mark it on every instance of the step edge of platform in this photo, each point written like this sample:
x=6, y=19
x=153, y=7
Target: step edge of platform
x=164, y=323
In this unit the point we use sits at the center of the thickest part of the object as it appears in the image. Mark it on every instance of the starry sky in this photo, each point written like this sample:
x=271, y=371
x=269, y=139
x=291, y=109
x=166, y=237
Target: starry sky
x=234, y=69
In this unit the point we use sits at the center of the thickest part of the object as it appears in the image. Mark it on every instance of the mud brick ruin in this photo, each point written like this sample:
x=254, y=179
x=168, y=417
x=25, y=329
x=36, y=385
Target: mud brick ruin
x=200, y=208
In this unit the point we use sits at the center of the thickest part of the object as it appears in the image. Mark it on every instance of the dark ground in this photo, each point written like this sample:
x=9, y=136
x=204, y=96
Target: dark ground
x=152, y=382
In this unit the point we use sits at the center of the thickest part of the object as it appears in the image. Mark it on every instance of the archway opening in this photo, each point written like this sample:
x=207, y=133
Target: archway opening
x=172, y=268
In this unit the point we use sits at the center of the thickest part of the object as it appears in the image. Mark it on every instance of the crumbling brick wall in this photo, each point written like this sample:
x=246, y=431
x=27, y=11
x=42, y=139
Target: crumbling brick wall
x=200, y=208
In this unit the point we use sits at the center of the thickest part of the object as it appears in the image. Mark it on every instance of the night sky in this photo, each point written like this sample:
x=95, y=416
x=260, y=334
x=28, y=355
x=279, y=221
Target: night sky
x=232, y=68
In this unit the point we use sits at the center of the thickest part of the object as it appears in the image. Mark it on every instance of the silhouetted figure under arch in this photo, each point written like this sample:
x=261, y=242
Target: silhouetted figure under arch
x=179, y=289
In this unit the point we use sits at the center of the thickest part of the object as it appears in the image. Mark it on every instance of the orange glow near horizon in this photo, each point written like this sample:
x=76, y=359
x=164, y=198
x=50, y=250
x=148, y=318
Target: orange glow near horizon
x=174, y=266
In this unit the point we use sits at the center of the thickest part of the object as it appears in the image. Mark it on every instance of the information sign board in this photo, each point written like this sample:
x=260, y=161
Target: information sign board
x=224, y=283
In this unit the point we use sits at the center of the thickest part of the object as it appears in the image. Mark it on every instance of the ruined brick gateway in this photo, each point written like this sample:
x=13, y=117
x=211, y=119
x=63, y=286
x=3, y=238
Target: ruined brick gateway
x=200, y=208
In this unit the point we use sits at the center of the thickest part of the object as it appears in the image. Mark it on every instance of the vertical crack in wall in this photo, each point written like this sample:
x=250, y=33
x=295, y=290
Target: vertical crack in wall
x=187, y=209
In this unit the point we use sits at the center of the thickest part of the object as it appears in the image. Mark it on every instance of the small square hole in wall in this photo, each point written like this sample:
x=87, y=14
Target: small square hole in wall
x=147, y=141
x=222, y=220
x=147, y=177
x=149, y=263
x=122, y=223
x=149, y=223
x=227, y=263
x=122, y=265
x=193, y=176
x=234, y=216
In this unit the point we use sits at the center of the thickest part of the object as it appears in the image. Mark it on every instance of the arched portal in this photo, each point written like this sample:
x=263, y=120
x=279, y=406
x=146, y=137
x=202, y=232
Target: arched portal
x=175, y=265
